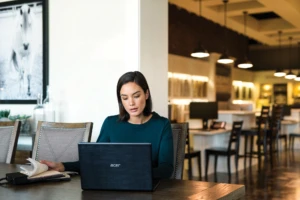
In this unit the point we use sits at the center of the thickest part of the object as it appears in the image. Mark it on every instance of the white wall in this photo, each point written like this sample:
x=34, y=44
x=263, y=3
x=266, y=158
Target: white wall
x=91, y=44
x=154, y=50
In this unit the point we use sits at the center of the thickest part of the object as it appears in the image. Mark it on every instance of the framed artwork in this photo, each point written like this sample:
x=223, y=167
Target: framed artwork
x=23, y=51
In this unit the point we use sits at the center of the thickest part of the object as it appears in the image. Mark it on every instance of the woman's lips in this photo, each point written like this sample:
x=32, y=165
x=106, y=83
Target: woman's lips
x=133, y=109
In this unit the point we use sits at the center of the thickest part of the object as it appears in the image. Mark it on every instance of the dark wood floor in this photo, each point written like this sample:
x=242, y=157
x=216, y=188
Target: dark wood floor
x=280, y=181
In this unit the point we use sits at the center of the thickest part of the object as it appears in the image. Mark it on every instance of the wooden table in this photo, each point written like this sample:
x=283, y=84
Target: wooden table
x=167, y=189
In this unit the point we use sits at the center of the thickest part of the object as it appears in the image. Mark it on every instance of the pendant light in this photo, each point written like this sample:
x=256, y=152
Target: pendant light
x=290, y=74
x=200, y=51
x=224, y=58
x=279, y=72
x=298, y=76
x=245, y=64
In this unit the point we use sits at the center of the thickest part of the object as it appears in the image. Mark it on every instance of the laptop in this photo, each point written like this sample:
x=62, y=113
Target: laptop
x=116, y=166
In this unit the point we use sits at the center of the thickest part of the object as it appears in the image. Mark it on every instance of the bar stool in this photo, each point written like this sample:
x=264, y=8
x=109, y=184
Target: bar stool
x=292, y=137
x=190, y=153
x=277, y=114
x=259, y=131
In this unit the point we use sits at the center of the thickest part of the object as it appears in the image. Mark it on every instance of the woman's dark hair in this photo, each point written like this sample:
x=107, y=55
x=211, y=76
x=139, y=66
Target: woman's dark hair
x=138, y=78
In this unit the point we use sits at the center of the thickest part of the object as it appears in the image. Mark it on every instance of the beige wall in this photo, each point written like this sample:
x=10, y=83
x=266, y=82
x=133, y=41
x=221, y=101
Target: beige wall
x=242, y=75
x=184, y=65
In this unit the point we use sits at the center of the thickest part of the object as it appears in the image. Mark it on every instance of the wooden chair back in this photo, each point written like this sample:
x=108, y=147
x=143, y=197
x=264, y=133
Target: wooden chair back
x=58, y=142
x=9, y=134
x=264, y=114
x=234, y=139
x=277, y=112
x=179, y=131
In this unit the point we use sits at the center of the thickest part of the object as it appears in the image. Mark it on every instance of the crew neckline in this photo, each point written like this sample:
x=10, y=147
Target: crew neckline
x=153, y=113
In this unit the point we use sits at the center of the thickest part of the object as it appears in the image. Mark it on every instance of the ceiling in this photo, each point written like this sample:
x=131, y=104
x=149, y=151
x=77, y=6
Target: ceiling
x=265, y=19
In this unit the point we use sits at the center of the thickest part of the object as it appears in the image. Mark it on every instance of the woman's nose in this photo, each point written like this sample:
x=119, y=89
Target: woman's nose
x=131, y=102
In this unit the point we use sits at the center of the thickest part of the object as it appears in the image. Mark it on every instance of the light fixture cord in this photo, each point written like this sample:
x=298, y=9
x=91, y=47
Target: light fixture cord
x=299, y=56
x=200, y=7
x=245, y=32
x=225, y=30
x=290, y=53
x=280, y=50
x=245, y=21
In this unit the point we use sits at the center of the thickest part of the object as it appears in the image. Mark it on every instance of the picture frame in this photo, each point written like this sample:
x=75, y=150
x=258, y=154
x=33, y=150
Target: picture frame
x=24, y=53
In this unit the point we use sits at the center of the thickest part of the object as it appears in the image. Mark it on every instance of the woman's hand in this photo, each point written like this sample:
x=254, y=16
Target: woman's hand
x=57, y=166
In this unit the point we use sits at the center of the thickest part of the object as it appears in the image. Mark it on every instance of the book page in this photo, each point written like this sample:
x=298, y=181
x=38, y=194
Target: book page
x=34, y=168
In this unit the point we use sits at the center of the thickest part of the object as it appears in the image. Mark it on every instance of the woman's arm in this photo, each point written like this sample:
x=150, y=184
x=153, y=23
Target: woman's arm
x=165, y=157
x=104, y=136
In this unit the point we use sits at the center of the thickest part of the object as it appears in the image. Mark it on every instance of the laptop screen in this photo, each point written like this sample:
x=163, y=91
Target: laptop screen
x=115, y=166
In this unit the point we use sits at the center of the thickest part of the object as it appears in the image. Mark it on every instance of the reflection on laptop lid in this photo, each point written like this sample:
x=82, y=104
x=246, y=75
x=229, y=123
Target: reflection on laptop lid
x=116, y=166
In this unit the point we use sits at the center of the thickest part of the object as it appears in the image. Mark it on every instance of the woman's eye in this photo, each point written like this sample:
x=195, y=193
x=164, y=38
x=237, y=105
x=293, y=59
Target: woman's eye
x=124, y=99
x=136, y=97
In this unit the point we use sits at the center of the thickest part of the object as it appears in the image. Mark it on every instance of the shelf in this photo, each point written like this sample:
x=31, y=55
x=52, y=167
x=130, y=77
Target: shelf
x=242, y=90
x=187, y=86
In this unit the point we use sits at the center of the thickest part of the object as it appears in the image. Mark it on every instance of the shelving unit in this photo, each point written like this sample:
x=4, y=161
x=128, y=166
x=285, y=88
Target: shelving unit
x=280, y=93
x=242, y=90
x=184, y=88
x=266, y=91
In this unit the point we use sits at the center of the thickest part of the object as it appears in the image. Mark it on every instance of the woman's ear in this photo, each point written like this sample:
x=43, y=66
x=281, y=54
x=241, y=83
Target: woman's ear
x=147, y=94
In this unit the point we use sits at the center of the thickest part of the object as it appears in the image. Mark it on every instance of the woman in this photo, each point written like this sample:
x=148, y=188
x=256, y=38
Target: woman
x=136, y=123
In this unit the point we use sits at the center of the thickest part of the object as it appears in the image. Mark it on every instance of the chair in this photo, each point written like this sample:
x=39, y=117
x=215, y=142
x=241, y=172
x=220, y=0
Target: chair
x=190, y=153
x=292, y=137
x=261, y=123
x=179, y=131
x=277, y=114
x=9, y=134
x=266, y=137
x=261, y=142
x=58, y=142
x=228, y=152
x=264, y=113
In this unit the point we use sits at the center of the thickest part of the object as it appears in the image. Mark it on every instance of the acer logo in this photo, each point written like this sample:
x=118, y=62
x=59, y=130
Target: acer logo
x=115, y=165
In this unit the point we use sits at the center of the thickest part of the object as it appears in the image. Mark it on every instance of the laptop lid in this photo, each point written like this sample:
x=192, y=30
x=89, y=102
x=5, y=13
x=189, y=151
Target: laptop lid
x=115, y=166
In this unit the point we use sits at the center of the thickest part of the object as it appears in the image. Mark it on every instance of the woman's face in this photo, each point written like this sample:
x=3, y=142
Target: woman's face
x=133, y=99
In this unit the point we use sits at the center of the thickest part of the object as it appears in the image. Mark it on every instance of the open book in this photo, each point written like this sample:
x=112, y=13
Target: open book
x=37, y=171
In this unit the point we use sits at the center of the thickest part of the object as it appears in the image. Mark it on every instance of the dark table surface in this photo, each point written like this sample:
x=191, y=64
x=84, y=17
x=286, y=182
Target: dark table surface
x=71, y=190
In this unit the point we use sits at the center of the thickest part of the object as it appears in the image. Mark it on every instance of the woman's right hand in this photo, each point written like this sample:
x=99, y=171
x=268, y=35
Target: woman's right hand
x=57, y=166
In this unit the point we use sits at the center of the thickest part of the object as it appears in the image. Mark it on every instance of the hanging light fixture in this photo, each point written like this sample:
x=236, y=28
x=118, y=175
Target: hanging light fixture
x=298, y=76
x=200, y=51
x=245, y=64
x=279, y=72
x=290, y=74
x=224, y=58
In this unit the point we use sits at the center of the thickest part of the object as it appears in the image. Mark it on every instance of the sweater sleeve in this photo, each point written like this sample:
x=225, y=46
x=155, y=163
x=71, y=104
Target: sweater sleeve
x=104, y=133
x=72, y=166
x=165, y=157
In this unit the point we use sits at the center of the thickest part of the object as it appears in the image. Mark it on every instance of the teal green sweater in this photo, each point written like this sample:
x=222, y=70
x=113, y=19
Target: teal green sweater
x=156, y=131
